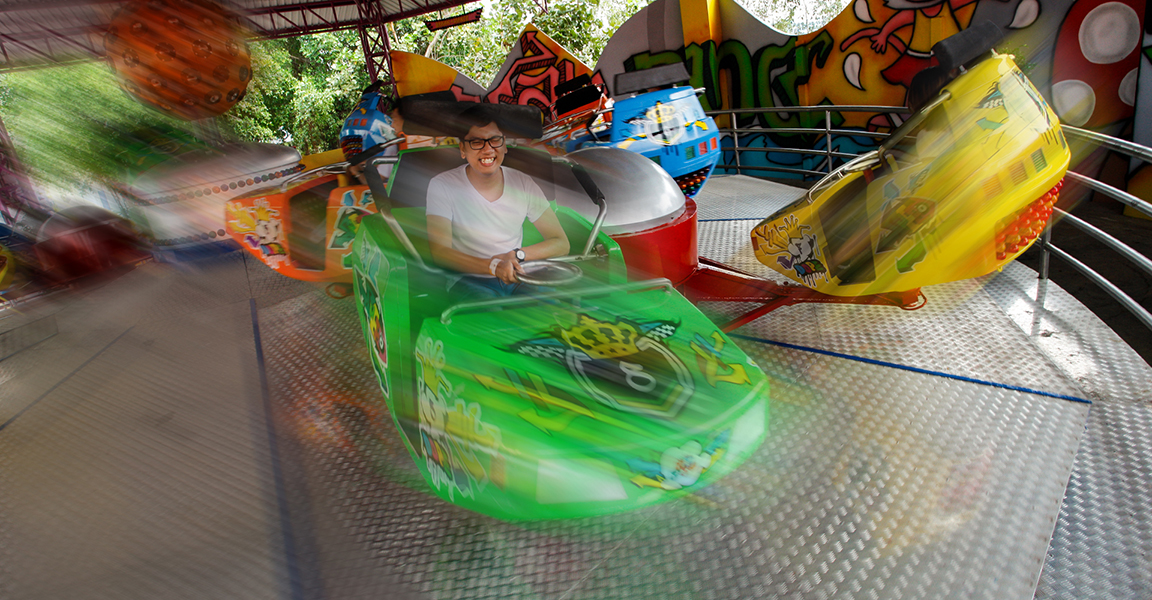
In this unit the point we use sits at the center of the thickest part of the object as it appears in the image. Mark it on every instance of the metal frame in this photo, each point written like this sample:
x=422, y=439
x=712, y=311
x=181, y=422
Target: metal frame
x=374, y=40
x=1127, y=252
x=827, y=132
x=35, y=35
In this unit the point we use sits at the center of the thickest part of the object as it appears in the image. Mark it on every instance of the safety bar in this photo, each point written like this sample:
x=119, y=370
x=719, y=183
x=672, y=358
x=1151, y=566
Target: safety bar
x=588, y=292
x=914, y=121
x=384, y=208
x=338, y=167
x=594, y=194
x=856, y=164
x=334, y=168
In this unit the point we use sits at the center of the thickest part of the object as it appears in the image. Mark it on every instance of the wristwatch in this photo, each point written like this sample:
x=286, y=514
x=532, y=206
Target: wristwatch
x=520, y=256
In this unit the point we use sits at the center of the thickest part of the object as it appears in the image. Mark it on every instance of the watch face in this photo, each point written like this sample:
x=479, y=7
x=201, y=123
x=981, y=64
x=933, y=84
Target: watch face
x=520, y=254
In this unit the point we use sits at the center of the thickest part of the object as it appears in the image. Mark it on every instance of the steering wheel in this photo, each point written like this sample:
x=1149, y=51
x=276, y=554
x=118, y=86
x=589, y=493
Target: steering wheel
x=549, y=273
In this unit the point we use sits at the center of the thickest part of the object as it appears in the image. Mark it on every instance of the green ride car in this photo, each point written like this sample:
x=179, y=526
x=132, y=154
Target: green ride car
x=600, y=396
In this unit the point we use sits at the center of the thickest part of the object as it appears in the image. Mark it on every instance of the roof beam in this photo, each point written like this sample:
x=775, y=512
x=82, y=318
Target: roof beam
x=30, y=40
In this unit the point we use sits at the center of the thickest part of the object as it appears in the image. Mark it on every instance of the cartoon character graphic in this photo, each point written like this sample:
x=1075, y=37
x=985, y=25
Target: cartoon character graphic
x=794, y=247
x=931, y=21
x=679, y=467
x=347, y=224
x=803, y=256
x=461, y=452
x=261, y=228
x=372, y=306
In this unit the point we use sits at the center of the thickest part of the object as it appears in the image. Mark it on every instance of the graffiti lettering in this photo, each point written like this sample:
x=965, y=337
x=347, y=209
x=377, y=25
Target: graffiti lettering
x=770, y=77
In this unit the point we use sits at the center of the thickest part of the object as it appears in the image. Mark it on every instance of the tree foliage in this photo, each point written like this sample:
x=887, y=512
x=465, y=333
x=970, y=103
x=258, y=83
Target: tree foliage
x=478, y=49
x=301, y=90
x=795, y=17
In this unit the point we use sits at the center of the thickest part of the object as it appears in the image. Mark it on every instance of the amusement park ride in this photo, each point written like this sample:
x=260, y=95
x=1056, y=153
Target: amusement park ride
x=615, y=375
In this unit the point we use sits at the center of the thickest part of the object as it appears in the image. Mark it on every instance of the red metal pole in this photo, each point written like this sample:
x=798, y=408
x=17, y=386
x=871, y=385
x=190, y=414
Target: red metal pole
x=374, y=41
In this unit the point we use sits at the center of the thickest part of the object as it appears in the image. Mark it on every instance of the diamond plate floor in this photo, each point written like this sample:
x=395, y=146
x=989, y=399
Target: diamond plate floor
x=742, y=197
x=214, y=431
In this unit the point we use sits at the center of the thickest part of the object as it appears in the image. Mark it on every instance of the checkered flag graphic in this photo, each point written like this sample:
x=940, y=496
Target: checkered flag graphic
x=539, y=351
x=663, y=330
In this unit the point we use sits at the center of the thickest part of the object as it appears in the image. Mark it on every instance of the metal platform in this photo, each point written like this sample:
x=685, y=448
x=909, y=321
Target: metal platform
x=213, y=430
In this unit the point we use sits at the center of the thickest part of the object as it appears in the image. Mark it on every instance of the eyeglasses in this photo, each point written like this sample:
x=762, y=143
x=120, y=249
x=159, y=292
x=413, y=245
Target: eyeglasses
x=478, y=143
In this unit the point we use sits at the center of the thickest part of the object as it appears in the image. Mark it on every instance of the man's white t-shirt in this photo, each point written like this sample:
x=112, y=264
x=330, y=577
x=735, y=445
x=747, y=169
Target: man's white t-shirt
x=481, y=228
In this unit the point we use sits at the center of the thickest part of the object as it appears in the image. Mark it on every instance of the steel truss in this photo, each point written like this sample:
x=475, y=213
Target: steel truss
x=42, y=34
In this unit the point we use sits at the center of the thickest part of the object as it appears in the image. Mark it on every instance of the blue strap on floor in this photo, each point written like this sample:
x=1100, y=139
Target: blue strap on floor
x=913, y=369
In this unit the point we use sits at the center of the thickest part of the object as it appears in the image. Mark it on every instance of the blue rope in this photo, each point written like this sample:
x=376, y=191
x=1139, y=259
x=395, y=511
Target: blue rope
x=912, y=369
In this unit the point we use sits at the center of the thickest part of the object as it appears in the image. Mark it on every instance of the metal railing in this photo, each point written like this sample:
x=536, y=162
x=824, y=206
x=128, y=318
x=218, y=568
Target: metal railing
x=827, y=131
x=1047, y=247
x=1124, y=250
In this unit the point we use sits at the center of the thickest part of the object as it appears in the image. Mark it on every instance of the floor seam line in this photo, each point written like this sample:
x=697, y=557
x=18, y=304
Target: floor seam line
x=64, y=379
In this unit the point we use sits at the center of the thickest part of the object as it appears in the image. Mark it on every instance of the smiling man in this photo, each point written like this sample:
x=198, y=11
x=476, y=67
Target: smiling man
x=476, y=216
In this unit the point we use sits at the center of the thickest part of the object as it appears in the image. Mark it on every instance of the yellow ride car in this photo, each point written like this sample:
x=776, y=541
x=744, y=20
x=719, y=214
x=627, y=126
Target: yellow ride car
x=962, y=188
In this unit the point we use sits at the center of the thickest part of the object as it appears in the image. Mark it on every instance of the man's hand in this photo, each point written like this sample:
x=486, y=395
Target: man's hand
x=356, y=171
x=509, y=268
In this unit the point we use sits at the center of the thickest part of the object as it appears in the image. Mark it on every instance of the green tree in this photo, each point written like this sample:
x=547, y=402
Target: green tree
x=478, y=49
x=795, y=17
x=301, y=90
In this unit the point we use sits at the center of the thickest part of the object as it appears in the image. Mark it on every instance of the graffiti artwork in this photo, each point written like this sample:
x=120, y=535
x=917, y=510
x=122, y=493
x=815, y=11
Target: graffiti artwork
x=347, y=222
x=374, y=264
x=709, y=357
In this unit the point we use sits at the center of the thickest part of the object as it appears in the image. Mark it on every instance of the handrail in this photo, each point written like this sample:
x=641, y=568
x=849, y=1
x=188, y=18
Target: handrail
x=848, y=132
x=1120, y=247
x=1112, y=192
x=1110, y=142
x=1124, y=299
x=827, y=131
x=815, y=108
x=1141, y=261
